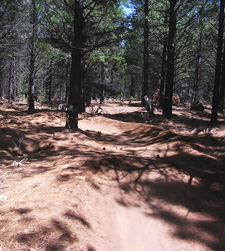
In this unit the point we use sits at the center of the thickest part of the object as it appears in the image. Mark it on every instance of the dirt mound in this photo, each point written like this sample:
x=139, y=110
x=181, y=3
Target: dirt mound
x=117, y=183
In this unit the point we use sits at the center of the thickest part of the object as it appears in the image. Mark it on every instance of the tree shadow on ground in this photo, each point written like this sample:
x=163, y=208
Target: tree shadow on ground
x=134, y=104
x=206, y=228
x=55, y=235
x=205, y=196
x=193, y=182
x=183, y=119
x=205, y=199
x=134, y=117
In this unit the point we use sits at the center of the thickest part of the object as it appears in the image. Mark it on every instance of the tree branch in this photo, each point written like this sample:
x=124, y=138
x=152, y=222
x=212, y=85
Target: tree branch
x=69, y=6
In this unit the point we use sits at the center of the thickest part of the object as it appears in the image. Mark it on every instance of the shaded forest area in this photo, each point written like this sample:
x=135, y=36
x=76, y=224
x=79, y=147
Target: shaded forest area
x=112, y=125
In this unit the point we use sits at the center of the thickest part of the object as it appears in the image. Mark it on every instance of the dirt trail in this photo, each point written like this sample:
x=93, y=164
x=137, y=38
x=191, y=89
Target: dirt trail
x=133, y=226
x=117, y=184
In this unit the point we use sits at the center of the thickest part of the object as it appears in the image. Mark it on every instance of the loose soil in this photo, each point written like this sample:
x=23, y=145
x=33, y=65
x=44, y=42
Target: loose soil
x=123, y=182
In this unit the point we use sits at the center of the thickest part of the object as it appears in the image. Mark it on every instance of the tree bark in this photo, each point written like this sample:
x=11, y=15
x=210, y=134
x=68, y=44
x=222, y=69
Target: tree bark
x=163, y=73
x=197, y=67
x=132, y=91
x=73, y=103
x=1, y=78
x=164, y=65
x=81, y=92
x=50, y=82
x=32, y=55
x=102, y=85
x=167, y=107
x=12, y=81
x=146, y=53
x=215, y=102
x=67, y=83
x=76, y=67
x=222, y=84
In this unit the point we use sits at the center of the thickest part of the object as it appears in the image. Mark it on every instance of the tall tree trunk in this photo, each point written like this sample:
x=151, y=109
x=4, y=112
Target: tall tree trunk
x=132, y=91
x=146, y=53
x=163, y=73
x=222, y=84
x=88, y=92
x=32, y=55
x=67, y=83
x=197, y=76
x=215, y=103
x=112, y=75
x=102, y=85
x=76, y=67
x=164, y=65
x=167, y=107
x=81, y=92
x=12, y=80
x=197, y=68
x=50, y=82
x=73, y=103
x=1, y=78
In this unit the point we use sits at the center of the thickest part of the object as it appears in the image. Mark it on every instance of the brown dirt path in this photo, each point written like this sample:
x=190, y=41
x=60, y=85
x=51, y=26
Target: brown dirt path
x=116, y=184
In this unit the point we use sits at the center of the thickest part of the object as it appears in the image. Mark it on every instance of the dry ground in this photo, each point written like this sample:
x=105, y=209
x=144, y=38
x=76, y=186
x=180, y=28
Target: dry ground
x=122, y=182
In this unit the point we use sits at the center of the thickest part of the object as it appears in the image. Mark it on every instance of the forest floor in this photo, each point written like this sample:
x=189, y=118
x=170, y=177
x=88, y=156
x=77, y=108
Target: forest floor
x=122, y=182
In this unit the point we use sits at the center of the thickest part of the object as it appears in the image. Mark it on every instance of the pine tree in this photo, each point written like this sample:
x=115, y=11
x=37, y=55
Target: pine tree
x=146, y=52
x=32, y=73
x=167, y=107
x=80, y=31
x=215, y=103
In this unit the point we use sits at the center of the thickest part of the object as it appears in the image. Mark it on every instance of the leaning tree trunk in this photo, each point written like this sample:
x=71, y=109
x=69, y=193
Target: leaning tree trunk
x=33, y=55
x=215, y=103
x=76, y=67
x=167, y=106
x=146, y=52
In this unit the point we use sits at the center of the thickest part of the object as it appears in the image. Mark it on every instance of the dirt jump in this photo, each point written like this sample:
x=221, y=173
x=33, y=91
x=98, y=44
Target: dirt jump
x=123, y=182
